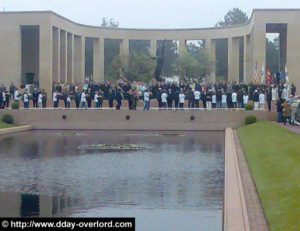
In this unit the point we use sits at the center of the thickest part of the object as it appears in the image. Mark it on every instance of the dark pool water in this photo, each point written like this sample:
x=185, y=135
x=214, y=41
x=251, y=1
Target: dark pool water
x=176, y=184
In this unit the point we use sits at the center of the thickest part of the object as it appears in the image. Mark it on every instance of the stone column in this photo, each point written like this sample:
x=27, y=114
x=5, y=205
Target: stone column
x=98, y=60
x=247, y=66
x=63, y=56
x=83, y=59
x=210, y=45
x=70, y=58
x=124, y=47
x=153, y=47
x=78, y=64
x=101, y=64
x=259, y=46
x=293, y=54
x=182, y=46
x=45, y=206
x=233, y=59
x=45, y=58
x=56, y=55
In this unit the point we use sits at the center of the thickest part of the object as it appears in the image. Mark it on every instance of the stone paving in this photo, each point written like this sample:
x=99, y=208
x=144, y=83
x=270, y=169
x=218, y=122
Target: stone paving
x=294, y=128
x=255, y=211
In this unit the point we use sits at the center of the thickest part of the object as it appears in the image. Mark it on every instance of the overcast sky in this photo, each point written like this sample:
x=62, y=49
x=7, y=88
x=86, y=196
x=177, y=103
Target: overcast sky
x=146, y=13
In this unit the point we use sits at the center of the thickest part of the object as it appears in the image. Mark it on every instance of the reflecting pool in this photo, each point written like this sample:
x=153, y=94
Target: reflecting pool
x=175, y=184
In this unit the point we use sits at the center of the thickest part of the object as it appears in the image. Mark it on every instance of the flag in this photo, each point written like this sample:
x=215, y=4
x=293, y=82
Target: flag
x=262, y=75
x=255, y=74
x=269, y=76
x=280, y=76
x=286, y=75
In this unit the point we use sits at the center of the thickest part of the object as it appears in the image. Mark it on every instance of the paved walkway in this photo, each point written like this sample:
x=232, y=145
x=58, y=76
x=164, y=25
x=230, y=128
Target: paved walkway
x=294, y=128
x=255, y=211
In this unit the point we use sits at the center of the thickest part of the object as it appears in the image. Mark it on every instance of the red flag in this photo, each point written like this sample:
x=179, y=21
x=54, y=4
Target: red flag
x=269, y=76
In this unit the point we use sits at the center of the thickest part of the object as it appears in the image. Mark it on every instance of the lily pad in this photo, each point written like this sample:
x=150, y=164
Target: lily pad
x=112, y=147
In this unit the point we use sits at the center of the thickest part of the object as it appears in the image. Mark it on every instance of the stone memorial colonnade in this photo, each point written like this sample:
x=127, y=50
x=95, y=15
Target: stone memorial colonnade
x=61, y=44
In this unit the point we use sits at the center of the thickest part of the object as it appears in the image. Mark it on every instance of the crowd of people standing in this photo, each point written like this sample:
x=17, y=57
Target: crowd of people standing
x=168, y=95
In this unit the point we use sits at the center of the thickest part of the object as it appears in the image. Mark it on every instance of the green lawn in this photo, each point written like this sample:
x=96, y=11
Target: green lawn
x=5, y=125
x=273, y=155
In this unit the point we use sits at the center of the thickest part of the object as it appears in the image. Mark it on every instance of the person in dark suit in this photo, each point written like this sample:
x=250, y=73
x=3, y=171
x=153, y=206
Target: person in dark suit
x=35, y=96
x=191, y=99
x=204, y=98
x=1, y=99
x=111, y=97
x=176, y=98
x=119, y=98
x=269, y=97
x=219, y=98
x=229, y=99
x=158, y=97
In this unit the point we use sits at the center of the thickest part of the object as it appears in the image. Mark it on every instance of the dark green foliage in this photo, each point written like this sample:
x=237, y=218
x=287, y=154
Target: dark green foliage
x=139, y=46
x=195, y=62
x=8, y=119
x=169, y=68
x=249, y=107
x=15, y=105
x=135, y=67
x=250, y=120
x=234, y=17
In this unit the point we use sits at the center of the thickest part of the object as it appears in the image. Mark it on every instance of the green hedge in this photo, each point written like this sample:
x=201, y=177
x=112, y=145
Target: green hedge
x=250, y=120
x=249, y=107
x=8, y=119
x=15, y=105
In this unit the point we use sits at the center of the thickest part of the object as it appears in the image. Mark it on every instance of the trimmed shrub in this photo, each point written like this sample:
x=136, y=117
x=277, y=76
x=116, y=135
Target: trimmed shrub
x=250, y=119
x=15, y=105
x=249, y=107
x=8, y=119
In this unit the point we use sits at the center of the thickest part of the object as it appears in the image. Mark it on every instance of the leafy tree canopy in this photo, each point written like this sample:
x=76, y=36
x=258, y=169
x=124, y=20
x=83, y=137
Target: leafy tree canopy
x=195, y=61
x=109, y=23
x=135, y=67
x=234, y=17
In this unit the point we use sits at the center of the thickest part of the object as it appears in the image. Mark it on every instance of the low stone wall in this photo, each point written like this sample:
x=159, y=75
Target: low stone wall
x=6, y=131
x=235, y=211
x=133, y=120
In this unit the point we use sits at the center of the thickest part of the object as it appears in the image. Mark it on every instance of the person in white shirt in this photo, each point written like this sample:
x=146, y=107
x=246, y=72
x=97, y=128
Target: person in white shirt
x=16, y=95
x=274, y=93
x=224, y=99
x=146, y=100
x=164, y=99
x=181, y=99
x=214, y=100
x=26, y=99
x=197, y=98
x=234, y=99
x=262, y=100
x=96, y=100
x=55, y=99
x=83, y=99
x=286, y=91
x=40, y=99
x=3, y=99
x=68, y=104
x=245, y=99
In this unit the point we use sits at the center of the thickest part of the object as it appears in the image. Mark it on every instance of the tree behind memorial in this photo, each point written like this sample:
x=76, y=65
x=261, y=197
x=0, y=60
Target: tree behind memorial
x=234, y=17
x=195, y=61
x=135, y=67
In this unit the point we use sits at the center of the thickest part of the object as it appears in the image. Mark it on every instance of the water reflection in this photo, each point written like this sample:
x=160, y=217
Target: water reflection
x=44, y=174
